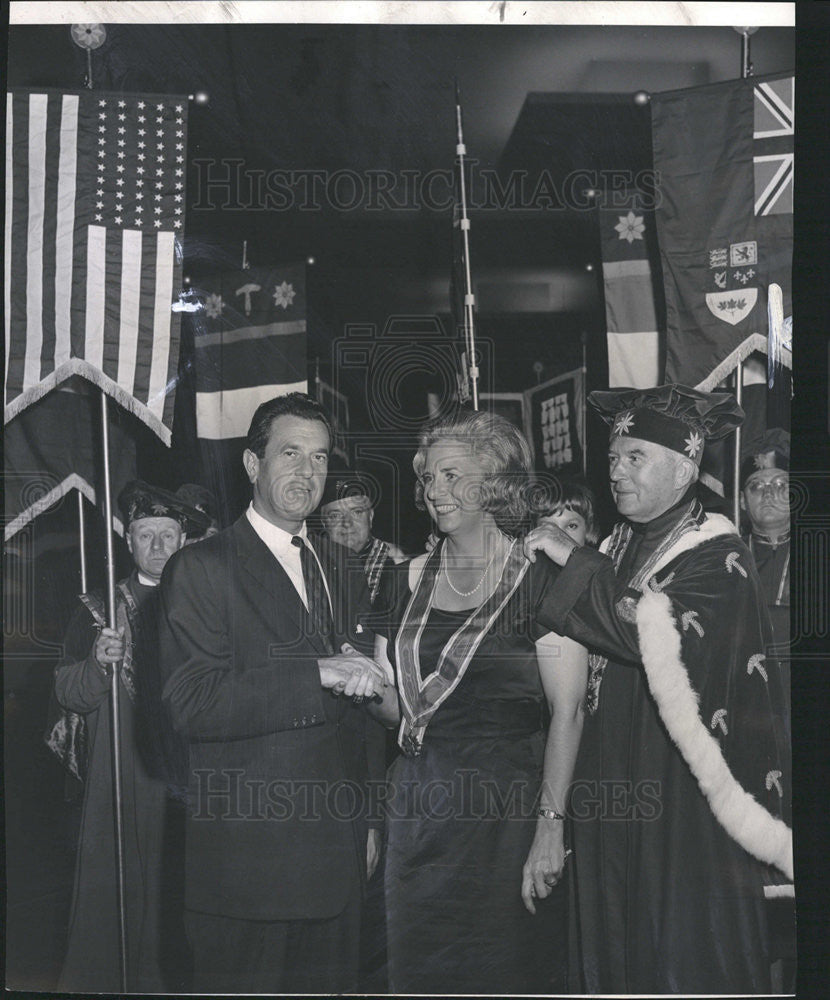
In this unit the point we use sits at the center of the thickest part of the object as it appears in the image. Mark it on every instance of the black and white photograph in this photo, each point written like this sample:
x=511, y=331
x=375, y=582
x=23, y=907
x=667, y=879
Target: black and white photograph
x=416, y=533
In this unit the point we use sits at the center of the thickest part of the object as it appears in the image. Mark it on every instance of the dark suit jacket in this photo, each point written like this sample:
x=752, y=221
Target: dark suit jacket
x=277, y=764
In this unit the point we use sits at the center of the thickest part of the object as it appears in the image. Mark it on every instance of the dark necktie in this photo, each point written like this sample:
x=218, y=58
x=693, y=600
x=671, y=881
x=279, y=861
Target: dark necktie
x=315, y=593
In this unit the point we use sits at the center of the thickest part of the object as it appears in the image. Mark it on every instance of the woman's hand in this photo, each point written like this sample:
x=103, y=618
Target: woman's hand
x=545, y=862
x=352, y=674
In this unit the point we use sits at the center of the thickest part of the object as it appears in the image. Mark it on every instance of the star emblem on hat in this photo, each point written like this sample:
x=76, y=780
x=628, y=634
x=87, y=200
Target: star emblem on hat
x=694, y=442
x=622, y=425
x=764, y=460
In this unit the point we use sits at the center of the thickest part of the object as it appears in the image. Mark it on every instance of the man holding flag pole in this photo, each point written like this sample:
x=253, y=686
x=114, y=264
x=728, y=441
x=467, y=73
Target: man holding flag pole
x=94, y=218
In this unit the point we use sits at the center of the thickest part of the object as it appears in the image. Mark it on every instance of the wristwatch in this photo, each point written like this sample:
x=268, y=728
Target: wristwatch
x=550, y=814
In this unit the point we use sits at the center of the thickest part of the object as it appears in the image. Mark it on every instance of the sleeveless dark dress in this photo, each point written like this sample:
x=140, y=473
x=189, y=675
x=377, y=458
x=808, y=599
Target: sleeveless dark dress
x=462, y=817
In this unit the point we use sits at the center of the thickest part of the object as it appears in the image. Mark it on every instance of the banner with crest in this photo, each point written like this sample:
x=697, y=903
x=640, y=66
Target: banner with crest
x=724, y=159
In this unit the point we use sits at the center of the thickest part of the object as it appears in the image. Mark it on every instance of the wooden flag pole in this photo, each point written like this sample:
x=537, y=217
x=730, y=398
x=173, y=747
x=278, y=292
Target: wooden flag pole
x=746, y=71
x=469, y=298
x=115, y=704
x=736, y=490
x=82, y=541
x=584, y=338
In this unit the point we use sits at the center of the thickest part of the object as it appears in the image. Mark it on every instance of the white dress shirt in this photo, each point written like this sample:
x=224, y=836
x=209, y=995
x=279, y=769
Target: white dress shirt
x=287, y=555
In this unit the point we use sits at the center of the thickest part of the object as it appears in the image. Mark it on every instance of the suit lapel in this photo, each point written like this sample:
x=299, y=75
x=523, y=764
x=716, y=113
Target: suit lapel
x=275, y=592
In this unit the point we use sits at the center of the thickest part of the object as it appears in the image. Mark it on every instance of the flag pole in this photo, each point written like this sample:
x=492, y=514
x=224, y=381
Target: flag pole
x=736, y=489
x=82, y=541
x=469, y=298
x=584, y=339
x=115, y=704
x=746, y=71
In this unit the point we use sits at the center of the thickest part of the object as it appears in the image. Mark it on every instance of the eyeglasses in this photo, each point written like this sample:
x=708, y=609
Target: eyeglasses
x=340, y=517
x=778, y=487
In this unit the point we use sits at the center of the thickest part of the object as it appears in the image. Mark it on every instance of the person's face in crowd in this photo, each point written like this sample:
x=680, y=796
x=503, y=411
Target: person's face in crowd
x=571, y=522
x=349, y=521
x=151, y=541
x=766, y=500
x=452, y=478
x=646, y=478
x=288, y=480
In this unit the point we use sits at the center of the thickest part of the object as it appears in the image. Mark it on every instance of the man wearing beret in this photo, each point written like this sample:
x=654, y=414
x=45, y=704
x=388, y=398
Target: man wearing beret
x=156, y=523
x=681, y=789
x=260, y=631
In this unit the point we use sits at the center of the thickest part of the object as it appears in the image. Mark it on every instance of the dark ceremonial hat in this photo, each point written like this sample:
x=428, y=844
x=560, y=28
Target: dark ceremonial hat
x=139, y=499
x=199, y=497
x=343, y=482
x=771, y=452
x=672, y=415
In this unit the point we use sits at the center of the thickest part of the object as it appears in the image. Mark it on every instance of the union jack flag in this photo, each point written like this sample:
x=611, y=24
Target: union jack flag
x=774, y=130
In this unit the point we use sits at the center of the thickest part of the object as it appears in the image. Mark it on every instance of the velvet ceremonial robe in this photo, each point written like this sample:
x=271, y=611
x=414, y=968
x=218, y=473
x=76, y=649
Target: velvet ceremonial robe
x=690, y=712
x=92, y=961
x=773, y=565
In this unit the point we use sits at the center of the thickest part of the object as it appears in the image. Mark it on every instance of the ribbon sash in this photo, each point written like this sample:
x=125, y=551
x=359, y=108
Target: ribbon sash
x=420, y=698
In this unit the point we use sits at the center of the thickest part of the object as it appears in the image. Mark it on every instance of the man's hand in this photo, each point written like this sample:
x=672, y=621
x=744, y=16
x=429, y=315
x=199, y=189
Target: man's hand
x=352, y=674
x=109, y=647
x=372, y=852
x=552, y=540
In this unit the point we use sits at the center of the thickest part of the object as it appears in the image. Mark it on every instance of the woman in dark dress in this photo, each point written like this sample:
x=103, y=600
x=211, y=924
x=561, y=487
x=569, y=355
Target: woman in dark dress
x=492, y=715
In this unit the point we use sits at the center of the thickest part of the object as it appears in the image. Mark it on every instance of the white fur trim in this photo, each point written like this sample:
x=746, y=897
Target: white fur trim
x=715, y=526
x=746, y=821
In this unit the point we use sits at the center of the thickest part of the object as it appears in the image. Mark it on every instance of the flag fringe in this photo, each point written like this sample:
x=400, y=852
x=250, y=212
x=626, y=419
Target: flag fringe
x=754, y=342
x=42, y=504
x=79, y=366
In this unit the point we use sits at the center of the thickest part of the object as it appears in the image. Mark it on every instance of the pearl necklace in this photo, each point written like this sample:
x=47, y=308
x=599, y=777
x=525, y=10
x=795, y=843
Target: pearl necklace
x=455, y=590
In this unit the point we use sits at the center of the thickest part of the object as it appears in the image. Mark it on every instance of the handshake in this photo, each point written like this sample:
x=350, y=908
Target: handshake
x=352, y=674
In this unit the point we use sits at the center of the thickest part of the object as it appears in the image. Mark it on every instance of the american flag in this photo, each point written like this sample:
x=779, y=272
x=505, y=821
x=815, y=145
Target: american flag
x=95, y=202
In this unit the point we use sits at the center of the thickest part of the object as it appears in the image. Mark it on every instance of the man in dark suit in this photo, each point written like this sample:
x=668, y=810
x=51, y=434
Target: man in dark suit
x=277, y=842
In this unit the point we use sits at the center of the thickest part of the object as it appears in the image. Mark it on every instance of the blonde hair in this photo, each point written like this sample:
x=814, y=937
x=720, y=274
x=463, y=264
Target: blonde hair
x=500, y=447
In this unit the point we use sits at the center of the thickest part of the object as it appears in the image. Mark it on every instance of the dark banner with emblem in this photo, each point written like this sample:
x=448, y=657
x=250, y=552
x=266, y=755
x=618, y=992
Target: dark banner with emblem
x=724, y=160
x=249, y=345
